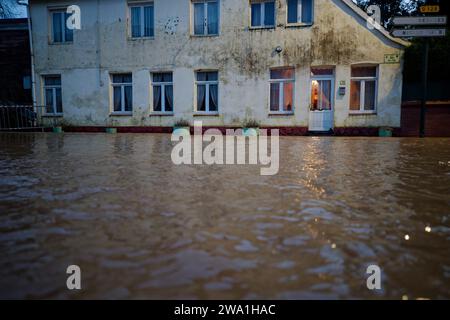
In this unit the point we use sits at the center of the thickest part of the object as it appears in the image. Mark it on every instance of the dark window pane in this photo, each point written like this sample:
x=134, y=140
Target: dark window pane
x=128, y=98
x=52, y=80
x=135, y=22
x=307, y=11
x=49, y=100
x=157, y=98
x=213, y=97
x=168, y=98
x=68, y=32
x=213, y=18
x=117, y=99
x=201, y=96
x=167, y=77
x=274, y=97
x=57, y=26
x=212, y=76
x=148, y=22
x=256, y=14
x=58, y=101
x=364, y=71
x=284, y=73
x=369, y=95
x=199, y=18
x=322, y=71
x=292, y=11
x=269, y=14
x=122, y=78
x=355, y=95
x=201, y=76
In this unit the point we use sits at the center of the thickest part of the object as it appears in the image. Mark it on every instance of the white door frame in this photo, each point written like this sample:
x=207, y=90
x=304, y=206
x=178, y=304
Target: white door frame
x=324, y=116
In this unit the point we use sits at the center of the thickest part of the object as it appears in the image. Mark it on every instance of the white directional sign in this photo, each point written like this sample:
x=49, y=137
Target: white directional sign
x=418, y=21
x=419, y=33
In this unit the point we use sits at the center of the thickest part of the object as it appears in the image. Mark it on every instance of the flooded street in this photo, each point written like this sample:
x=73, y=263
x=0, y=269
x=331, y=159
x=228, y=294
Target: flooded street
x=140, y=227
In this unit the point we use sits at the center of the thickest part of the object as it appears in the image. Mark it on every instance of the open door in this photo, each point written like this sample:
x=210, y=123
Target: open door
x=322, y=99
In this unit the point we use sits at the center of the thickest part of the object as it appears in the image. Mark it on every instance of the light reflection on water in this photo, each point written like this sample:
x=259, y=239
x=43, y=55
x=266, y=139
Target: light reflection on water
x=140, y=227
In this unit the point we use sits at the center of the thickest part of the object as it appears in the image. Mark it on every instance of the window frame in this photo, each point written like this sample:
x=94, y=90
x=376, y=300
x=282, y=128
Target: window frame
x=299, y=22
x=122, y=85
x=162, y=84
x=207, y=83
x=59, y=10
x=362, y=93
x=205, y=22
x=263, y=8
x=141, y=5
x=281, y=82
x=53, y=88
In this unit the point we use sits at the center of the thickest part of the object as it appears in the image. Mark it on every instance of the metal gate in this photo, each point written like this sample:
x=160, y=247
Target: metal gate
x=18, y=117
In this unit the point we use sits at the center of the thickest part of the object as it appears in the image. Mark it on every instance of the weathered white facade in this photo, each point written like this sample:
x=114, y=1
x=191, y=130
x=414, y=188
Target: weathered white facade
x=243, y=57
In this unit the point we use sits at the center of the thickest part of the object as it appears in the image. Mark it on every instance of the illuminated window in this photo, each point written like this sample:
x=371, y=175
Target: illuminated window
x=363, y=89
x=282, y=82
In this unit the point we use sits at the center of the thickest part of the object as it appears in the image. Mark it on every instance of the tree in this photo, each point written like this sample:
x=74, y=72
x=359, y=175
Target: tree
x=8, y=8
x=391, y=8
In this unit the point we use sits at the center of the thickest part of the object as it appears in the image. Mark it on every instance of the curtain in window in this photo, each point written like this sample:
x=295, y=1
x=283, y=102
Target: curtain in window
x=148, y=22
x=269, y=14
x=292, y=11
x=307, y=10
x=201, y=76
x=49, y=100
x=68, y=32
x=199, y=18
x=57, y=27
x=213, y=93
x=288, y=96
x=325, y=91
x=213, y=18
x=355, y=95
x=128, y=98
x=117, y=99
x=369, y=95
x=58, y=100
x=274, y=96
x=256, y=14
x=201, y=105
x=135, y=21
x=157, y=98
x=169, y=97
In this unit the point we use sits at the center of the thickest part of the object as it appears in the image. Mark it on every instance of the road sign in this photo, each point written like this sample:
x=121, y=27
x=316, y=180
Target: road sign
x=430, y=9
x=406, y=33
x=392, y=58
x=402, y=21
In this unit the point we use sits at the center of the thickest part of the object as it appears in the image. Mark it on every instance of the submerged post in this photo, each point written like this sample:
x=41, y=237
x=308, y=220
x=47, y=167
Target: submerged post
x=424, y=88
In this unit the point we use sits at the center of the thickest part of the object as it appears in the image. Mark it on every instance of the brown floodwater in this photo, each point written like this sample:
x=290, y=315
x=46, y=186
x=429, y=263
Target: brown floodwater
x=140, y=227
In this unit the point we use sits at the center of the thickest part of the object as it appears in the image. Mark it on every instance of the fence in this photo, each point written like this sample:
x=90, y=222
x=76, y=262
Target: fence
x=20, y=117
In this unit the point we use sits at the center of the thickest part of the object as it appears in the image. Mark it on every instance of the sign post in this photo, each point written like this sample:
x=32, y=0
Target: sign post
x=422, y=33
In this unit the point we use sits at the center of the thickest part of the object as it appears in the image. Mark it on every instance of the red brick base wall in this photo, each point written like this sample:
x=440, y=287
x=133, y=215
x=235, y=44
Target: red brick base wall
x=437, y=119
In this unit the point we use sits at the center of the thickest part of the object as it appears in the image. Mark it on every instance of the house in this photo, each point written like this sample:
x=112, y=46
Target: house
x=296, y=64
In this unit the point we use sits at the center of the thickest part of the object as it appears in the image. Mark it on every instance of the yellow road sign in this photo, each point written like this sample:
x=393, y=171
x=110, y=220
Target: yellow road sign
x=430, y=9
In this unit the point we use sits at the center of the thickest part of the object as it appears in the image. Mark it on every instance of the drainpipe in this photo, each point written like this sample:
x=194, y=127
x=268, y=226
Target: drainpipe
x=30, y=36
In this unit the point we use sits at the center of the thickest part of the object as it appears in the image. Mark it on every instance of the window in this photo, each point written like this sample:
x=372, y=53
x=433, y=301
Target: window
x=163, y=92
x=142, y=20
x=206, y=17
x=262, y=13
x=322, y=89
x=122, y=93
x=52, y=94
x=363, y=89
x=207, y=92
x=282, y=90
x=300, y=11
x=60, y=32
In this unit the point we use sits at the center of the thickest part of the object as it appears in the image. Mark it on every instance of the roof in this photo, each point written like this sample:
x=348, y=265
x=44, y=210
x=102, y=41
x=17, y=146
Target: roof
x=381, y=30
x=14, y=24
